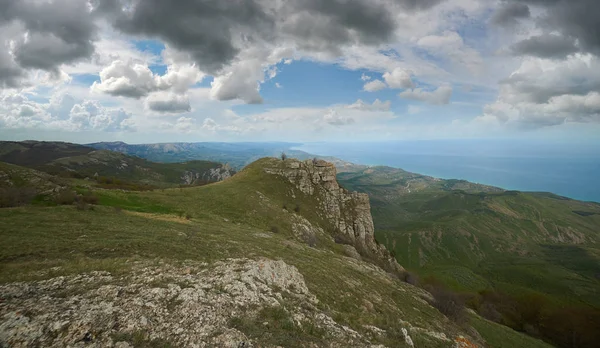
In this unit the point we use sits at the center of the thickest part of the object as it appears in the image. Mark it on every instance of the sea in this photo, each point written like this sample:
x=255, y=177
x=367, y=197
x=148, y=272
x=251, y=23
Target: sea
x=570, y=169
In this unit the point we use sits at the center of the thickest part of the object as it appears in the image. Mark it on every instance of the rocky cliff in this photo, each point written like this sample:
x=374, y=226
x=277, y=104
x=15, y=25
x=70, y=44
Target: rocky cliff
x=348, y=213
x=211, y=175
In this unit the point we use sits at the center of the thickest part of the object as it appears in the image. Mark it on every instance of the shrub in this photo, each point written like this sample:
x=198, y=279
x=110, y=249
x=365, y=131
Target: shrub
x=89, y=198
x=285, y=207
x=81, y=205
x=16, y=196
x=410, y=278
x=65, y=197
x=448, y=303
x=340, y=238
x=297, y=208
x=310, y=239
x=274, y=229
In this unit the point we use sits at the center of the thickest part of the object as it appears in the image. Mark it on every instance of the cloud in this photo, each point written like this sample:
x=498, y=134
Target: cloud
x=62, y=112
x=438, y=97
x=215, y=39
x=278, y=85
x=509, y=13
x=544, y=92
x=374, y=86
x=398, y=78
x=242, y=82
x=365, y=77
x=335, y=119
x=451, y=46
x=545, y=46
x=168, y=103
x=576, y=20
x=126, y=79
x=135, y=80
x=90, y=114
x=377, y=105
x=51, y=34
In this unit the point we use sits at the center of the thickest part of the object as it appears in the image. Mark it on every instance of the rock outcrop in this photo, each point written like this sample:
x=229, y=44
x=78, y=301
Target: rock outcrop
x=348, y=213
x=191, y=305
x=211, y=175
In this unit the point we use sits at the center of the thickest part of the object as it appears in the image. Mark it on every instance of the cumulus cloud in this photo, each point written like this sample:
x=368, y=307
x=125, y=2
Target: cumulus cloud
x=439, y=96
x=126, y=79
x=544, y=92
x=398, y=78
x=62, y=112
x=136, y=80
x=365, y=77
x=168, y=103
x=374, y=86
x=90, y=114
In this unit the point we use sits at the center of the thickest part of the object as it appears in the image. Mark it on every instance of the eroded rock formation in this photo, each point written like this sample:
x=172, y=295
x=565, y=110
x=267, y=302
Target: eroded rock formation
x=349, y=213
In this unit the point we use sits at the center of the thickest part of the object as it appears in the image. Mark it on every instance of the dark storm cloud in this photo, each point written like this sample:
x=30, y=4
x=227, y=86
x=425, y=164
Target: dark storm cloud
x=575, y=19
x=10, y=73
x=58, y=32
x=209, y=29
x=202, y=28
x=213, y=32
x=545, y=46
x=509, y=13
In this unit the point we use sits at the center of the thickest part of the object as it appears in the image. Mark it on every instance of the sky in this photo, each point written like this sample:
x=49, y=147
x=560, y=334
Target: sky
x=144, y=71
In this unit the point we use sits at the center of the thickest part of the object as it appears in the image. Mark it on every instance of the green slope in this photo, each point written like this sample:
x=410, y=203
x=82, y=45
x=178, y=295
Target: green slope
x=475, y=238
x=218, y=222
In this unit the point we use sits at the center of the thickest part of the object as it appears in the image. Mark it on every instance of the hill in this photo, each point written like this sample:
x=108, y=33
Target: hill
x=481, y=240
x=277, y=255
x=236, y=155
x=77, y=161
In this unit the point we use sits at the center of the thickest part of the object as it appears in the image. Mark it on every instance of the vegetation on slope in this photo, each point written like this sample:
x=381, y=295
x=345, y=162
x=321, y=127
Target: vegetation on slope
x=77, y=161
x=218, y=222
x=526, y=259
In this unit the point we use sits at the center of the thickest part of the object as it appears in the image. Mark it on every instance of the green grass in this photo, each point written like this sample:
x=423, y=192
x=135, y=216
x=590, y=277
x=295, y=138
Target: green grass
x=498, y=336
x=474, y=239
x=229, y=219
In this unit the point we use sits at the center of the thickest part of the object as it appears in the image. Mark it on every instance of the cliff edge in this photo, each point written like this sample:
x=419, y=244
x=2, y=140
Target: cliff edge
x=348, y=214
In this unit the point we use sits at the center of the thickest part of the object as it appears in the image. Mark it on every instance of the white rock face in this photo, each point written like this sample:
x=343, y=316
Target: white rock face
x=189, y=306
x=348, y=212
x=213, y=174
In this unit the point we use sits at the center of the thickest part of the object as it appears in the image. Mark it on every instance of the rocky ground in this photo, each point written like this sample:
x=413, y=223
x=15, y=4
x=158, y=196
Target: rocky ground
x=189, y=305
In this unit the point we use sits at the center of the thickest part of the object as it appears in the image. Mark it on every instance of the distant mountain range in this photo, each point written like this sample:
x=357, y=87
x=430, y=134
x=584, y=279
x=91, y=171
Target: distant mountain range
x=79, y=161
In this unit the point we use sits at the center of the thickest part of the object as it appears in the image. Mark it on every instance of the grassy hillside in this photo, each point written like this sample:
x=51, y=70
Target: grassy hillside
x=76, y=161
x=476, y=238
x=211, y=229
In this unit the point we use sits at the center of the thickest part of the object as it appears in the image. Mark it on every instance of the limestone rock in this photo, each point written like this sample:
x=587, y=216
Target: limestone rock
x=188, y=305
x=349, y=213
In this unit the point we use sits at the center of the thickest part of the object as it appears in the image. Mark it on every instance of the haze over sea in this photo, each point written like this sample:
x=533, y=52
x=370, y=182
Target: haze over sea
x=567, y=169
